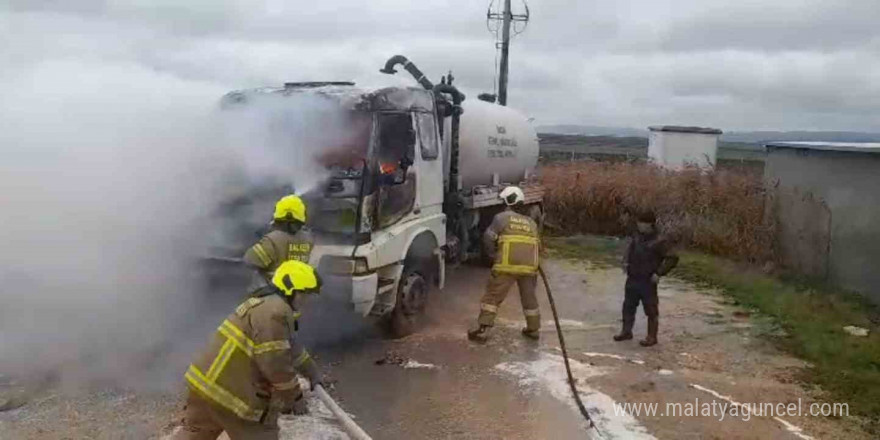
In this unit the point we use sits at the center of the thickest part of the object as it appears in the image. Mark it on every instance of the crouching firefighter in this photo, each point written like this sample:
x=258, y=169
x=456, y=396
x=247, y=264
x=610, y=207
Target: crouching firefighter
x=247, y=376
x=513, y=241
x=287, y=240
x=647, y=258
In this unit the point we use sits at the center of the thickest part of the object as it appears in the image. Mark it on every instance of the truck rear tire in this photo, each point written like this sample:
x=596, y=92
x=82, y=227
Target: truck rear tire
x=412, y=297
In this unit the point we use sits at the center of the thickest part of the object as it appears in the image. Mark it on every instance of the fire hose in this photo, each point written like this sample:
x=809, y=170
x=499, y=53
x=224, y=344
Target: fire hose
x=351, y=428
x=356, y=433
x=571, y=383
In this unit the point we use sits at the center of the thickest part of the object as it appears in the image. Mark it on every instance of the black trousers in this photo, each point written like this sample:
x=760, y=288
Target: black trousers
x=642, y=291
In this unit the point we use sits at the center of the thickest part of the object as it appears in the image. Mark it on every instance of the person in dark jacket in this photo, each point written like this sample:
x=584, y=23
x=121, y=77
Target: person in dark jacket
x=647, y=258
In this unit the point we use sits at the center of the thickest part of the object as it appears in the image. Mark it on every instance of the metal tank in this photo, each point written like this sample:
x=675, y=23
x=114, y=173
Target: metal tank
x=494, y=140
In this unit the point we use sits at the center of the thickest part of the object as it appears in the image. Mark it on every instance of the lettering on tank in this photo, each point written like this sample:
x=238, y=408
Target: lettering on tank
x=503, y=145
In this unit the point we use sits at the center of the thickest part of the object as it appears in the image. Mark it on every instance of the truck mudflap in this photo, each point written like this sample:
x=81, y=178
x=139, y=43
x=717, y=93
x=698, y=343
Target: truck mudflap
x=441, y=267
x=363, y=292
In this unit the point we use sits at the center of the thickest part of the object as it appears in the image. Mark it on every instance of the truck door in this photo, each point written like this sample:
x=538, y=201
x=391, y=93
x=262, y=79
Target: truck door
x=398, y=173
x=430, y=188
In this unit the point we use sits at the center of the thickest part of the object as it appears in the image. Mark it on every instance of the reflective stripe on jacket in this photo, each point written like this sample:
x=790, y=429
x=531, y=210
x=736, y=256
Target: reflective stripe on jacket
x=513, y=238
x=277, y=247
x=251, y=359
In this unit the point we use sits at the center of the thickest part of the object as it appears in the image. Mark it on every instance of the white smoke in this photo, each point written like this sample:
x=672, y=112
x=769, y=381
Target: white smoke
x=111, y=174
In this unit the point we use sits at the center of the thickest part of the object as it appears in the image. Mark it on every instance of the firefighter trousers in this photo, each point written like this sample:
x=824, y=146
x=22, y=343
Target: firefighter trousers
x=496, y=290
x=203, y=420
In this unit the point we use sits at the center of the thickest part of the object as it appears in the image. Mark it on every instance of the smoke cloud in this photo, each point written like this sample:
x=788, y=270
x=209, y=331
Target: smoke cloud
x=113, y=177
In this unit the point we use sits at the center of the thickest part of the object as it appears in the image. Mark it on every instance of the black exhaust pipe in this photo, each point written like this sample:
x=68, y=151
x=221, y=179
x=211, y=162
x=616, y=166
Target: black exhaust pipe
x=457, y=98
x=453, y=206
x=410, y=67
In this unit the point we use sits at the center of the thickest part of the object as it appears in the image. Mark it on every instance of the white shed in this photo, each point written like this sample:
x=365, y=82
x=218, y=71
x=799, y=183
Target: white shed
x=675, y=147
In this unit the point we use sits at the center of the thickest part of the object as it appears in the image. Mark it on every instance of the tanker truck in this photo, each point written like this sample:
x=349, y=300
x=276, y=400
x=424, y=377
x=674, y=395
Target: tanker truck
x=413, y=191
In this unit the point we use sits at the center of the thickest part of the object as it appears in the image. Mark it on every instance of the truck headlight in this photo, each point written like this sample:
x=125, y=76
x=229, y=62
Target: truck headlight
x=344, y=265
x=360, y=266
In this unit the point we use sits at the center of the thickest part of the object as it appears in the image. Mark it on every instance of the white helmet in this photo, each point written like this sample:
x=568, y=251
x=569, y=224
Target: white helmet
x=512, y=195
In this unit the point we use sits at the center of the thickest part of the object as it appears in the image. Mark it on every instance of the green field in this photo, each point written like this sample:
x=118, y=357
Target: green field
x=555, y=147
x=811, y=318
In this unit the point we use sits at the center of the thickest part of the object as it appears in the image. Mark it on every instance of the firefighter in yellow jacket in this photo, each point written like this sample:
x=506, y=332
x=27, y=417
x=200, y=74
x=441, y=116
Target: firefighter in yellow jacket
x=513, y=240
x=286, y=241
x=248, y=374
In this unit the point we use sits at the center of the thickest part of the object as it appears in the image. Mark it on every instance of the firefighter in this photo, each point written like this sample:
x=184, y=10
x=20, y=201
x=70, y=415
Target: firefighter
x=248, y=374
x=648, y=257
x=513, y=241
x=287, y=240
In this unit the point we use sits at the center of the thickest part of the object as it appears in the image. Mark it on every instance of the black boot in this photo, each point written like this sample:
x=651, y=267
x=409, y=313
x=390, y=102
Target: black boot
x=479, y=334
x=626, y=332
x=653, y=326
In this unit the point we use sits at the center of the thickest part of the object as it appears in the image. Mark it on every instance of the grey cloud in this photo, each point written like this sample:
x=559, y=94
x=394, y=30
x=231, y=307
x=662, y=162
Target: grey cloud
x=631, y=61
x=813, y=26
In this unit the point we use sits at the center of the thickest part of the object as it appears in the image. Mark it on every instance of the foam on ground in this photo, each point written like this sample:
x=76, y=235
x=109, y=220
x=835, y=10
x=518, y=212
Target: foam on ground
x=548, y=373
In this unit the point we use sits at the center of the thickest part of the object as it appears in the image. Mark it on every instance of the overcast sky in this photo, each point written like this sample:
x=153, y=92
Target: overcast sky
x=732, y=64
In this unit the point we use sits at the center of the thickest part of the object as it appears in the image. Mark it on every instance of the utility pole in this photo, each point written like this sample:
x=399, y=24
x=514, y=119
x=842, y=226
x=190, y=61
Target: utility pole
x=507, y=18
x=505, y=48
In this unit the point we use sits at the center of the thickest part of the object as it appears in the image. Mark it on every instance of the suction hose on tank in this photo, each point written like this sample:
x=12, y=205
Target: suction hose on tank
x=574, y=391
x=351, y=428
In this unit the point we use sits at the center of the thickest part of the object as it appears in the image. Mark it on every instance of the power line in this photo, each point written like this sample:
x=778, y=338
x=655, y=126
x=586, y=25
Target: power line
x=505, y=18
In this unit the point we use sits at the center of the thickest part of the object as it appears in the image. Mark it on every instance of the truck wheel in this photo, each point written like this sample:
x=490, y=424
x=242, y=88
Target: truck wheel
x=412, y=296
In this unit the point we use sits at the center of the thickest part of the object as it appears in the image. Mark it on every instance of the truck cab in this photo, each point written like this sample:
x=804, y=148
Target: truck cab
x=391, y=209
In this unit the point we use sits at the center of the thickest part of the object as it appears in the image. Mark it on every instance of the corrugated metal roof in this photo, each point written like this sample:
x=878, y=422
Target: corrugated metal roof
x=848, y=147
x=683, y=129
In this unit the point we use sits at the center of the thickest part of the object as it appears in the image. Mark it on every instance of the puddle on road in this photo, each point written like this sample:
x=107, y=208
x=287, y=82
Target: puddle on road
x=548, y=374
x=410, y=364
x=615, y=356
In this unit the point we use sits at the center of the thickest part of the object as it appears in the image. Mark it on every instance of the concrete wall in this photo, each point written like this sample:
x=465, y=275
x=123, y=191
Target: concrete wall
x=827, y=204
x=675, y=150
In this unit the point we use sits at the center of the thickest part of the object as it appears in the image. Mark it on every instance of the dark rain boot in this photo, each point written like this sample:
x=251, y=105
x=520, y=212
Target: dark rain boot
x=531, y=334
x=479, y=334
x=653, y=326
x=626, y=332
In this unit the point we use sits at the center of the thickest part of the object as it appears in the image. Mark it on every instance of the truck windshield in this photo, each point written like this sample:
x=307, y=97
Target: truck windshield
x=333, y=205
x=376, y=177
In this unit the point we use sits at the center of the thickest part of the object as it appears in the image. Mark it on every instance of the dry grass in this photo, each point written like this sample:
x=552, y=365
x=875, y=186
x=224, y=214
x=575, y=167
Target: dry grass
x=720, y=212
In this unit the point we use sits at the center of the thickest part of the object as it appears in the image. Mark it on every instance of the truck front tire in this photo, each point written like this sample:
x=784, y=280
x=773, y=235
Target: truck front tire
x=412, y=297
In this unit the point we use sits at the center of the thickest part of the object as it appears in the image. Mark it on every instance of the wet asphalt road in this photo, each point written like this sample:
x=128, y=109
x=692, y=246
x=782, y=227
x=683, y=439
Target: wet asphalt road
x=437, y=384
x=513, y=388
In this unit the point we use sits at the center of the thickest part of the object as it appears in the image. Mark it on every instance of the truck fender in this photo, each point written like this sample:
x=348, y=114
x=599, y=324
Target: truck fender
x=425, y=237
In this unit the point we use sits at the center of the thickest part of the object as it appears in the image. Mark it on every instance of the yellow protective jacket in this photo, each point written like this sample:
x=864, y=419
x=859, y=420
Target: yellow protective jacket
x=277, y=247
x=252, y=360
x=512, y=239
